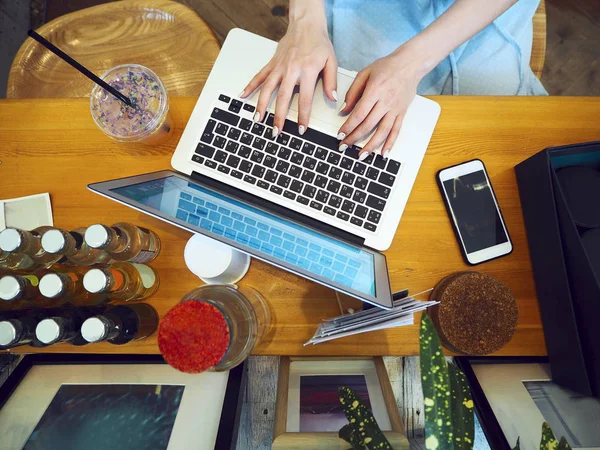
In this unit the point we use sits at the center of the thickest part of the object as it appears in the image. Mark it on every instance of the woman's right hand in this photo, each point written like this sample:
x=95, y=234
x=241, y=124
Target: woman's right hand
x=301, y=55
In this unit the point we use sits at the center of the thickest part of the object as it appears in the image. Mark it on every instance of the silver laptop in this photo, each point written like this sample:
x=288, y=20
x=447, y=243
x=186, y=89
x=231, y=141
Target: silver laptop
x=293, y=201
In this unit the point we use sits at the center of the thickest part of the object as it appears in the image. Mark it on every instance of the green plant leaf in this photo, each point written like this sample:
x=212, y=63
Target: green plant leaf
x=518, y=445
x=548, y=441
x=365, y=426
x=563, y=444
x=436, y=389
x=463, y=424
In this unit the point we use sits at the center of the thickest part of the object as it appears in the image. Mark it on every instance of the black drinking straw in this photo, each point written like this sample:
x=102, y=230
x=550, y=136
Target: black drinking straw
x=58, y=52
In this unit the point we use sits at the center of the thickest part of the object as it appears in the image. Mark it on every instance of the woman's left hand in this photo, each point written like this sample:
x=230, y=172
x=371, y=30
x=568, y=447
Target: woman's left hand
x=379, y=98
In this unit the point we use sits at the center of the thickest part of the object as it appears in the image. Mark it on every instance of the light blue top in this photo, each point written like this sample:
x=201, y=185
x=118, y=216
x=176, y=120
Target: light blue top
x=493, y=62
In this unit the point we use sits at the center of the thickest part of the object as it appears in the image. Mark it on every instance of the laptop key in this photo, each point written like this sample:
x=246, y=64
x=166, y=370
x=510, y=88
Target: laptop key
x=297, y=186
x=359, y=196
x=322, y=196
x=249, y=179
x=329, y=210
x=244, y=151
x=282, y=166
x=207, y=137
x=316, y=205
x=259, y=143
x=393, y=167
x=309, y=191
x=346, y=191
x=283, y=139
x=361, y=211
x=335, y=173
x=370, y=226
x=374, y=216
x=237, y=174
x=246, y=166
x=297, y=158
x=346, y=163
x=197, y=158
x=387, y=179
x=335, y=201
x=375, y=203
x=307, y=176
x=284, y=153
x=379, y=162
x=348, y=206
x=232, y=146
x=296, y=144
x=283, y=181
x=302, y=200
x=257, y=156
x=248, y=107
x=333, y=158
x=333, y=186
x=348, y=178
x=369, y=159
x=310, y=163
x=321, y=181
x=289, y=194
x=270, y=161
x=246, y=138
x=272, y=148
x=210, y=163
x=342, y=215
x=235, y=106
x=221, y=129
x=233, y=161
x=220, y=156
x=224, y=98
x=225, y=116
x=321, y=153
x=307, y=148
x=276, y=189
x=359, y=168
x=220, y=141
x=262, y=184
x=234, y=133
x=210, y=126
x=361, y=183
x=245, y=124
x=372, y=173
x=271, y=176
x=258, y=171
x=379, y=190
x=205, y=150
x=258, y=129
x=323, y=168
x=356, y=221
x=223, y=169
x=352, y=152
x=295, y=171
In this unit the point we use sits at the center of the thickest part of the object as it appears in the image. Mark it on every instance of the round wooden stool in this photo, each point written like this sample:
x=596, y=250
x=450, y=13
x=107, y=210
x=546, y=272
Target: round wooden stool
x=165, y=36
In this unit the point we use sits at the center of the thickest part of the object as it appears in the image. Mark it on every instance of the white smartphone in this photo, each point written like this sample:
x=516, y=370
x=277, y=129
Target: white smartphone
x=474, y=211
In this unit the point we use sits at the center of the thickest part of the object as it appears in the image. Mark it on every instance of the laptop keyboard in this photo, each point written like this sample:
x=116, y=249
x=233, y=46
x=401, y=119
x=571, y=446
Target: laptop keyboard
x=307, y=169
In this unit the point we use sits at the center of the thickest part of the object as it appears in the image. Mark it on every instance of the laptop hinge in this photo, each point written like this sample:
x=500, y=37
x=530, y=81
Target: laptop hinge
x=277, y=209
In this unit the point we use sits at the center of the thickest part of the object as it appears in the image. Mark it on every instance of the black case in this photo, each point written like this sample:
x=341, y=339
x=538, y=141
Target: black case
x=449, y=211
x=567, y=289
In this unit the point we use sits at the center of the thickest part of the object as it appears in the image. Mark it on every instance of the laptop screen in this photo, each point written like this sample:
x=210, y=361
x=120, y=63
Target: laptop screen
x=258, y=231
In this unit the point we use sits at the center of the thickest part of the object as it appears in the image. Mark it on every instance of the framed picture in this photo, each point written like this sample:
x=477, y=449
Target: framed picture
x=308, y=411
x=73, y=401
x=514, y=396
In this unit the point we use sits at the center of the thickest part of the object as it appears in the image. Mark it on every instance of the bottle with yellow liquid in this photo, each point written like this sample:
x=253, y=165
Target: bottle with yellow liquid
x=124, y=242
x=71, y=248
x=10, y=258
x=67, y=286
x=16, y=241
x=122, y=281
x=18, y=291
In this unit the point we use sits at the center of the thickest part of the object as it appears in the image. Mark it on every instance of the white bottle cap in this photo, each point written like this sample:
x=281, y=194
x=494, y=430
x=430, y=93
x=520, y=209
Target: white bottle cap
x=95, y=280
x=214, y=262
x=51, y=285
x=8, y=333
x=9, y=288
x=10, y=239
x=47, y=331
x=96, y=235
x=94, y=329
x=53, y=241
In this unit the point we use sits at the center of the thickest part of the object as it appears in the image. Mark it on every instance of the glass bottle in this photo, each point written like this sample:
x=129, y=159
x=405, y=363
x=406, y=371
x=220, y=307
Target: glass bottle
x=121, y=324
x=18, y=291
x=10, y=257
x=70, y=248
x=63, y=287
x=19, y=330
x=65, y=327
x=124, y=242
x=122, y=281
x=29, y=242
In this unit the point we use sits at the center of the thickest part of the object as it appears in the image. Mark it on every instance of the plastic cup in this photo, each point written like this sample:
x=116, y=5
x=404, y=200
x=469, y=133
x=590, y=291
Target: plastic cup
x=148, y=122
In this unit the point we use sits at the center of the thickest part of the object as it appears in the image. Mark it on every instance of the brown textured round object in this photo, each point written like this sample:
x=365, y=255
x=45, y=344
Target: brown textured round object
x=477, y=314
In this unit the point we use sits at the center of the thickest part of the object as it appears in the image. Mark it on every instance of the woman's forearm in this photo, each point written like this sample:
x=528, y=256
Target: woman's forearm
x=461, y=21
x=311, y=10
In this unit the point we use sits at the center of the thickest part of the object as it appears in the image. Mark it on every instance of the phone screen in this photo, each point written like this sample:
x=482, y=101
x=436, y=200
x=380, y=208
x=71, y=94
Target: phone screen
x=475, y=211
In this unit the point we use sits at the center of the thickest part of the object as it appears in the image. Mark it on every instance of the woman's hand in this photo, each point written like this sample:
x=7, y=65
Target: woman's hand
x=301, y=55
x=379, y=98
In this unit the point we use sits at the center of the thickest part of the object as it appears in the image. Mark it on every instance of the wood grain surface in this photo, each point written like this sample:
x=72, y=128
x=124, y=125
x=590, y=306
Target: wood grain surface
x=52, y=145
x=538, y=47
x=165, y=36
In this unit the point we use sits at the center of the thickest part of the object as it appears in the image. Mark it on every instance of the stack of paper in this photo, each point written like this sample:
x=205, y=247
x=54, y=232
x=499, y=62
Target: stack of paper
x=372, y=319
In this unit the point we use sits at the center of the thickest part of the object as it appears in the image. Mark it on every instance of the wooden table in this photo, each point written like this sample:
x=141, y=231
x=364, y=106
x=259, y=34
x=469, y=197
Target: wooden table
x=53, y=146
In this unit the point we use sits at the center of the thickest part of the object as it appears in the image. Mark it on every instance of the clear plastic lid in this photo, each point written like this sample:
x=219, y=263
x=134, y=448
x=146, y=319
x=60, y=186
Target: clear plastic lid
x=8, y=333
x=53, y=241
x=48, y=331
x=10, y=239
x=10, y=288
x=51, y=285
x=96, y=235
x=95, y=281
x=94, y=329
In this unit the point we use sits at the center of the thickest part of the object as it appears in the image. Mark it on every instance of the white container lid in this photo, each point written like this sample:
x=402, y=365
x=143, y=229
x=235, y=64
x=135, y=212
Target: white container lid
x=53, y=241
x=95, y=280
x=9, y=288
x=8, y=333
x=10, y=239
x=47, y=331
x=96, y=235
x=51, y=285
x=214, y=262
x=94, y=329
